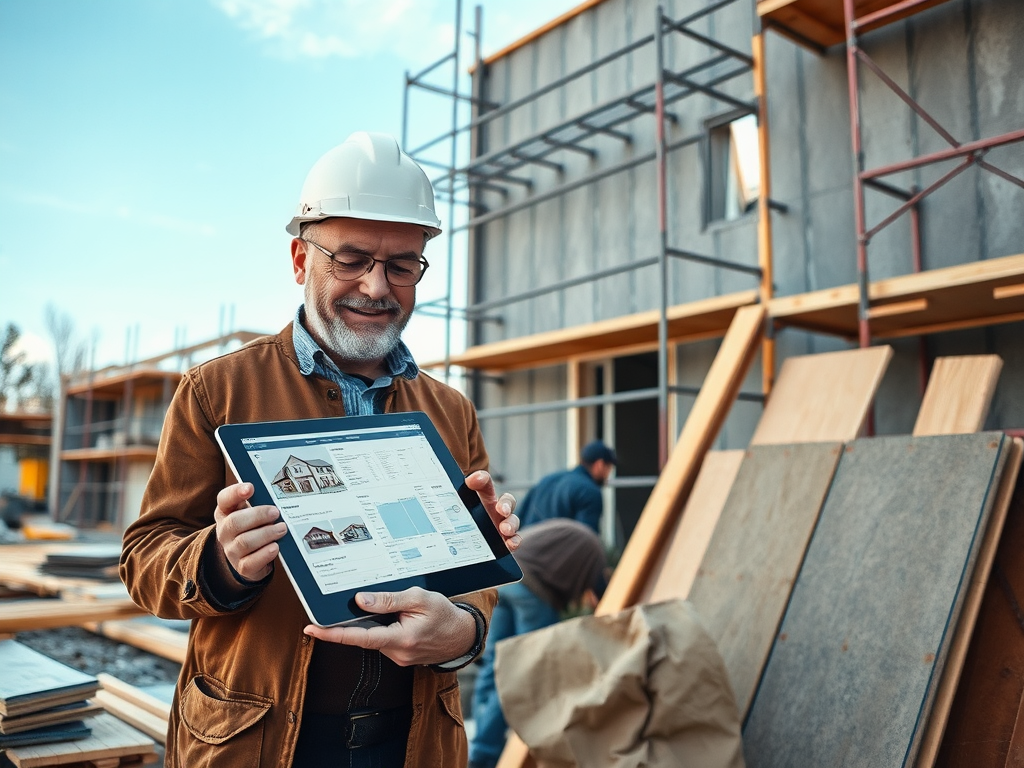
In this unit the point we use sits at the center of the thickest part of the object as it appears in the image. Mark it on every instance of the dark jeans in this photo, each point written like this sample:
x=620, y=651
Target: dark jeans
x=323, y=743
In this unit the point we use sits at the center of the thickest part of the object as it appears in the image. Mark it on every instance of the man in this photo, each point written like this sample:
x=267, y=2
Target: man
x=563, y=564
x=259, y=685
x=573, y=493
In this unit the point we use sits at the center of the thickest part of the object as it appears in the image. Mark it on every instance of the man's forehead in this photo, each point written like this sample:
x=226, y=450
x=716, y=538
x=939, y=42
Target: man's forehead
x=363, y=233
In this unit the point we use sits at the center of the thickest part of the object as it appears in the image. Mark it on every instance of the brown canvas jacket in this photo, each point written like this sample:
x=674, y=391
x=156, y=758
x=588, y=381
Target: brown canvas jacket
x=239, y=699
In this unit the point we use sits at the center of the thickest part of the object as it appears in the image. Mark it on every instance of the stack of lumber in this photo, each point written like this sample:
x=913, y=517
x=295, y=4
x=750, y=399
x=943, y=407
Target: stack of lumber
x=135, y=706
x=97, y=562
x=42, y=700
x=64, y=600
x=843, y=577
x=113, y=743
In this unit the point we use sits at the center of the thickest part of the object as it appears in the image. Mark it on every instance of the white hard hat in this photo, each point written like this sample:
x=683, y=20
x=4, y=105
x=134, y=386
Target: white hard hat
x=367, y=177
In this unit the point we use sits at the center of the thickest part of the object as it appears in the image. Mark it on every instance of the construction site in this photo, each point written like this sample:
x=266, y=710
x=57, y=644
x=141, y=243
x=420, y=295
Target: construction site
x=772, y=251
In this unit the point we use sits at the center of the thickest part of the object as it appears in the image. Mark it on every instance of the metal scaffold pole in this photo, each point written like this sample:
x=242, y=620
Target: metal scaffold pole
x=661, y=161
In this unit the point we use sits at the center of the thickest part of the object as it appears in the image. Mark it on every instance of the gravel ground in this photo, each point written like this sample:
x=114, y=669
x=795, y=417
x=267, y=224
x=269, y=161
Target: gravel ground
x=93, y=654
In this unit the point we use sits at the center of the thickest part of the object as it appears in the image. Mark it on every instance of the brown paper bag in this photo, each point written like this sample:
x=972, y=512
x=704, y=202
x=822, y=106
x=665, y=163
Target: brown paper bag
x=642, y=688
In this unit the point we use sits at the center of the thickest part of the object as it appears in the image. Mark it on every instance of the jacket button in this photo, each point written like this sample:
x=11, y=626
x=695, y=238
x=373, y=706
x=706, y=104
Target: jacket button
x=305, y=639
x=190, y=589
x=333, y=394
x=291, y=718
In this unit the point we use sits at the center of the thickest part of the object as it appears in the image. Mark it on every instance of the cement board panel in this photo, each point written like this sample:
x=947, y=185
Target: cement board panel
x=853, y=670
x=743, y=584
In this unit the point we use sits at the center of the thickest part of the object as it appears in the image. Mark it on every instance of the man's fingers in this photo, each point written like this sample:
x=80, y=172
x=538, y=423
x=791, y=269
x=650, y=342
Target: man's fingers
x=234, y=497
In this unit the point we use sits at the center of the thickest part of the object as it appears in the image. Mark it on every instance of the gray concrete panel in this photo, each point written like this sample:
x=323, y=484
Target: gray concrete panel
x=547, y=265
x=831, y=239
x=581, y=226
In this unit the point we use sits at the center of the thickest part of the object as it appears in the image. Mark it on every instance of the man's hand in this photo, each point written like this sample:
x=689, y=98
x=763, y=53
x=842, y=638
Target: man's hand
x=247, y=536
x=429, y=630
x=500, y=509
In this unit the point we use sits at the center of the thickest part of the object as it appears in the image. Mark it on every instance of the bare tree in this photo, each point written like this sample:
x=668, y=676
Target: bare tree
x=70, y=352
x=15, y=374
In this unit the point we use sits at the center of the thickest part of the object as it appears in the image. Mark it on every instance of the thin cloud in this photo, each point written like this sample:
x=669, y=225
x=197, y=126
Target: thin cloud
x=416, y=32
x=56, y=204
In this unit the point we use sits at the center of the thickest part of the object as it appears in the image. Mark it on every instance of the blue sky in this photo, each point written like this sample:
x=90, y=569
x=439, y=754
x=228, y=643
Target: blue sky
x=152, y=151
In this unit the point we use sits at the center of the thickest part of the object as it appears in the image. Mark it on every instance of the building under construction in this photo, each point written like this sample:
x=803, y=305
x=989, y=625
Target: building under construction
x=638, y=172
x=773, y=252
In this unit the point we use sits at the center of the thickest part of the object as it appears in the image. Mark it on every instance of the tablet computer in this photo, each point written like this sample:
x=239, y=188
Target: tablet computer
x=372, y=503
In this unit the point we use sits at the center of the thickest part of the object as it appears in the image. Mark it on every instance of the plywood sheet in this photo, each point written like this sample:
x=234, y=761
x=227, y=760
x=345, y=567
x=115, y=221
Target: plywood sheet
x=958, y=395
x=823, y=397
x=677, y=564
x=984, y=712
x=854, y=669
x=744, y=581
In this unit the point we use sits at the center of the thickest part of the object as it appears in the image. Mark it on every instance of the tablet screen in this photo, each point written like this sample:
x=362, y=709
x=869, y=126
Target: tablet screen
x=368, y=505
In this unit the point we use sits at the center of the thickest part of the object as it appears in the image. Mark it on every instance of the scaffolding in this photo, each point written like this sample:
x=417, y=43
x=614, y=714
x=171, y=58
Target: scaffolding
x=921, y=302
x=510, y=167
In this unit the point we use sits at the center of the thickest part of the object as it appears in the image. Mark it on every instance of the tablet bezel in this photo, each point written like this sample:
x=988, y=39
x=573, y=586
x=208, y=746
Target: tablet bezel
x=339, y=607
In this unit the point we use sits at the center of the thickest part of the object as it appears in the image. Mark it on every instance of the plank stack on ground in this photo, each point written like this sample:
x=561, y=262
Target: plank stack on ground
x=112, y=744
x=135, y=706
x=41, y=700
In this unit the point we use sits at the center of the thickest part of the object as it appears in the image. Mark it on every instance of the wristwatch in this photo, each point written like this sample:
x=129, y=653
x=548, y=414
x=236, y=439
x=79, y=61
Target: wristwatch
x=478, y=643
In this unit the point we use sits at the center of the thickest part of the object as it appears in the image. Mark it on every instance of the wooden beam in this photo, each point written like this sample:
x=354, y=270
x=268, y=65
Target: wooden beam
x=959, y=395
x=705, y=419
x=24, y=615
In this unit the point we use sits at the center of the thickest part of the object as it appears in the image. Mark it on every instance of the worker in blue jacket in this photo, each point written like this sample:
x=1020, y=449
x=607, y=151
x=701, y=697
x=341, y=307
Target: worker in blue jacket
x=572, y=493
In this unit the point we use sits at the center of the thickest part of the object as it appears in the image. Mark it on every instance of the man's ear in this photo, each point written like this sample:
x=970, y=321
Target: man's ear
x=299, y=256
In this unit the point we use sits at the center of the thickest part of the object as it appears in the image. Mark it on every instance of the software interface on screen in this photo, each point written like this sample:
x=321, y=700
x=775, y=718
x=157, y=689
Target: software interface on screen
x=367, y=506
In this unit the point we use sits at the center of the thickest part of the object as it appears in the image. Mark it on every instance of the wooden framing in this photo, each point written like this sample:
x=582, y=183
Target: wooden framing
x=964, y=296
x=697, y=320
x=819, y=24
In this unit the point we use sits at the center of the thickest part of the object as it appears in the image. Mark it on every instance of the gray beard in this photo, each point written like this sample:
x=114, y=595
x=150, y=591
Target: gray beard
x=347, y=343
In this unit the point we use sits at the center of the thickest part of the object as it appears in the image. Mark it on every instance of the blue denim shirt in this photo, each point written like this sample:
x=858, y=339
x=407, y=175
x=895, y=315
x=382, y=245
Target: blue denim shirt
x=360, y=398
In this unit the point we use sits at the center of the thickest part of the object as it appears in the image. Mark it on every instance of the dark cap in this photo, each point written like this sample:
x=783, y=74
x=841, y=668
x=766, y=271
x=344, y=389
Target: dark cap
x=597, y=450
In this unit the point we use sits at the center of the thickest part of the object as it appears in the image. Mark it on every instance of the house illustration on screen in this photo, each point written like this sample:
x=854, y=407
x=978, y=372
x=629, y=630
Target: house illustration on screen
x=318, y=538
x=299, y=477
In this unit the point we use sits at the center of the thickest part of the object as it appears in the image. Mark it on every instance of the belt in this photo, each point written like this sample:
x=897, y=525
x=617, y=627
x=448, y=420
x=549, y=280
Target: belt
x=369, y=727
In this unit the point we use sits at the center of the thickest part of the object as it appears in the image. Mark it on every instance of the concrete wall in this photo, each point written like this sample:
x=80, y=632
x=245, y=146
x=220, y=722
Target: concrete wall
x=959, y=59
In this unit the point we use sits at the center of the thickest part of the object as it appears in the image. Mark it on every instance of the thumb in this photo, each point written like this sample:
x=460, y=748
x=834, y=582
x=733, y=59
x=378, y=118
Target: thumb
x=378, y=602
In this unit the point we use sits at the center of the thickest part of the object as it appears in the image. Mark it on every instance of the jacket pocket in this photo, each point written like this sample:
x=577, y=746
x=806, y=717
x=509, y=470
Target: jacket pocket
x=219, y=726
x=451, y=702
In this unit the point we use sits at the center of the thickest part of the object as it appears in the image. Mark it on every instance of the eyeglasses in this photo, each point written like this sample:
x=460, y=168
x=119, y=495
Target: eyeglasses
x=400, y=271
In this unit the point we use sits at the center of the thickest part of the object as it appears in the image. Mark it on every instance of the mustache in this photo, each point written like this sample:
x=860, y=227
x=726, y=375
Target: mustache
x=361, y=302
